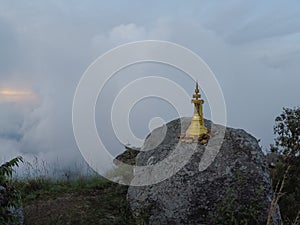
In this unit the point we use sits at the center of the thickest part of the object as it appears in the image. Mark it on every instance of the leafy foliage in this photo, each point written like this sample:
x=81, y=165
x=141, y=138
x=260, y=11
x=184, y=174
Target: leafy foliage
x=9, y=196
x=287, y=131
x=287, y=146
x=6, y=170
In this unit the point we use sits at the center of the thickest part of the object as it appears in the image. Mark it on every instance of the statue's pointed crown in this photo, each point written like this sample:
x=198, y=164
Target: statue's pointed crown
x=196, y=95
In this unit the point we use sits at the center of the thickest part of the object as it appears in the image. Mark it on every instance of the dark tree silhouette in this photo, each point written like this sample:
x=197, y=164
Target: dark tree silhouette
x=287, y=131
x=286, y=174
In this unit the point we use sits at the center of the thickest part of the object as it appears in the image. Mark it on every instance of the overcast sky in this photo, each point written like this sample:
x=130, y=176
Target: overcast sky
x=253, y=47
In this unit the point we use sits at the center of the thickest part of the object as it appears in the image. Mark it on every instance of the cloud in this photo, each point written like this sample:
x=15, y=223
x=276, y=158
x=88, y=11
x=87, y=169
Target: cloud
x=45, y=47
x=240, y=22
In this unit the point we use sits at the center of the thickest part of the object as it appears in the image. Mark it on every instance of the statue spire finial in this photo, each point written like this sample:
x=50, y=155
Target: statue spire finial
x=196, y=95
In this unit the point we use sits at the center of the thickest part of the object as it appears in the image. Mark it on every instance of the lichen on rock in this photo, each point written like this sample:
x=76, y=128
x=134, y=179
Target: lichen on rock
x=235, y=187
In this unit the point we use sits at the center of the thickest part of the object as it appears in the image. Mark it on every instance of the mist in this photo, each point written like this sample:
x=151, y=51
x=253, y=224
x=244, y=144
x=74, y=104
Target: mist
x=252, y=47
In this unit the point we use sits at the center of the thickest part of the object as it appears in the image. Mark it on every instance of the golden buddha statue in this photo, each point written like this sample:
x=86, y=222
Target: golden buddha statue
x=196, y=132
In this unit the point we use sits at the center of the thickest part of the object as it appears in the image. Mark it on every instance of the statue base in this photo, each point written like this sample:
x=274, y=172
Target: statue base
x=202, y=139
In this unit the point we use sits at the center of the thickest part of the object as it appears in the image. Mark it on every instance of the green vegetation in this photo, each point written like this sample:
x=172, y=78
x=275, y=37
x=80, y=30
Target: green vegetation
x=286, y=179
x=10, y=197
x=287, y=131
x=86, y=200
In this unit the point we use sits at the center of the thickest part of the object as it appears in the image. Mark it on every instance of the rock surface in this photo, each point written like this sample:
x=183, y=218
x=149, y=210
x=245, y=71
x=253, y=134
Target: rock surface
x=236, y=187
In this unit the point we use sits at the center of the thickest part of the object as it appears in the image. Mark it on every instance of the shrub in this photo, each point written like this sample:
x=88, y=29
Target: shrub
x=9, y=196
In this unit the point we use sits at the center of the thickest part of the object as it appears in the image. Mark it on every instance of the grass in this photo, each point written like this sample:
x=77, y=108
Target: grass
x=87, y=200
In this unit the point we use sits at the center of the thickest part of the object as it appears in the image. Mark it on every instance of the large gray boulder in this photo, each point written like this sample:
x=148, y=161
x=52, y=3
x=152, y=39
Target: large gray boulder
x=235, y=188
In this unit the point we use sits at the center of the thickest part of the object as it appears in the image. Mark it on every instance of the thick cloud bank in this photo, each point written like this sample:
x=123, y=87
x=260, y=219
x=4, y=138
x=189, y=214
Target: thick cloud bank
x=253, y=48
